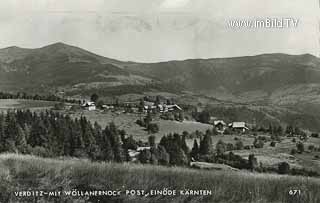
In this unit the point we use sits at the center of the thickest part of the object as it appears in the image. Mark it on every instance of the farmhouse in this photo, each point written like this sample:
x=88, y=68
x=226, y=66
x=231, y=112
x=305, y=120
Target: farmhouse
x=220, y=125
x=238, y=126
x=162, y=108
x=133, y=154
x=89, y=105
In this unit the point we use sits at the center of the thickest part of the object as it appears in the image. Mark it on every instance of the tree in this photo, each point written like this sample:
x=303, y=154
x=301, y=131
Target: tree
x=113, y=134
x=94, y=97
x=163, y=156
x=206, y=145
x=239, y=145
x=195, y=150
x=147, y=120
x=144, y=156
x=220, y=147
x=273, y=144
x=99, y=103
x=152, y=141
x=21, y=141
x=152, y=128
x=300, y=147
x=184, y=145
x=204, y=117
x=181, y=116
x=258, y=143
x=283, y=168
x=253, y=163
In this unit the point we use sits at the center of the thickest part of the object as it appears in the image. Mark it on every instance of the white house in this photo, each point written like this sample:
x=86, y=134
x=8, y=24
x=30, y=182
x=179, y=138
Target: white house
x=241, y=126
x=220, y=125
x=89, y=105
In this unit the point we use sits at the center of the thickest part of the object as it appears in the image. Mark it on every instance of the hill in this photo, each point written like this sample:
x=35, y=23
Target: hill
x=62, y=65
x=288, y=82
x=22, y=172
x=265, y=73
x=58, y=66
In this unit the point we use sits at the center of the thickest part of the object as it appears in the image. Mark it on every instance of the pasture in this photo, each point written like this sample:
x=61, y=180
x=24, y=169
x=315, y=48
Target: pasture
x=8, y=104
x=24, y=172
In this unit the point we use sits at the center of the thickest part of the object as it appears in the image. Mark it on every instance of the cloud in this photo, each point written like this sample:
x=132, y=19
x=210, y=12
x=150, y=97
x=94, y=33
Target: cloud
x=171, y=4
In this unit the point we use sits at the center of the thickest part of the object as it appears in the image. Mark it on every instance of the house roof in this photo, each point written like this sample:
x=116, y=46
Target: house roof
x=219, y=122
x=174, y=105
x=238, y=125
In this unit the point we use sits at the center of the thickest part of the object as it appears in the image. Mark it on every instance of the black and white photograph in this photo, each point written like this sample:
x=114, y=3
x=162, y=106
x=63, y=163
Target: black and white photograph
x=160, y=101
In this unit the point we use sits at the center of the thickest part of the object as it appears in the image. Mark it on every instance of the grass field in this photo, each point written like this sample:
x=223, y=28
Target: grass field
x=127, y=121
x=6, y=104
x=20, y=173
x=268, y=156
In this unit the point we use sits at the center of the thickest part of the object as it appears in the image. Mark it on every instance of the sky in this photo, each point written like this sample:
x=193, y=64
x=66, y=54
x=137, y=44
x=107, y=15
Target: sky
x=160, y=30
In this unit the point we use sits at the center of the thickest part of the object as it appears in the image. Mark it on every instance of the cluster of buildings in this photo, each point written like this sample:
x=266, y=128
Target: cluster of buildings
x=162, y=108
x=135, y=107
x=221, y=126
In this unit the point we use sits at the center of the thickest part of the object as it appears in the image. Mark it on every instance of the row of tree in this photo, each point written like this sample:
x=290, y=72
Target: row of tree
x=51, y=134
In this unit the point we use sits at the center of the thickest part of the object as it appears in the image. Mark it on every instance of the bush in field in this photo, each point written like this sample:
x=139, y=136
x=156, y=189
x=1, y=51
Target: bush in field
x=239, y=145
x=283, y=168
x=315, y=135
x=253, y=162
x=300, y=147
x=311, y=147
x=59, y=106
x=258, y=143
x=153, y=128
x=273, y=144
x=227, y=131
x=220, y=147
x=230, y=147
x=293, y=151
x=247, y=147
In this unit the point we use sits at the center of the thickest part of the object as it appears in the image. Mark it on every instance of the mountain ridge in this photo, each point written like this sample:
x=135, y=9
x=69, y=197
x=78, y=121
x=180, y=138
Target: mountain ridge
x=60, y=65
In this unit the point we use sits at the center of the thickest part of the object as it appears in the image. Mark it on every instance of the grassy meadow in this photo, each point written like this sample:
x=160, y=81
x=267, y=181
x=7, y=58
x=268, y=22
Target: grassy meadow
x=7, y=104
x=24, y=172
x=127, y=122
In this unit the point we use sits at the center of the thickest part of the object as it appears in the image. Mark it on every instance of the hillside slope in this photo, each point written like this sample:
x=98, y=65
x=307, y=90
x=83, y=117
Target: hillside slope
x=24, y=172
x=276, y=79
x=58, y=65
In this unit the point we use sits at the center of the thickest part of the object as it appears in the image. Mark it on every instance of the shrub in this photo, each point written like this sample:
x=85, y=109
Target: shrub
x=258, y=143
x=253, y=162
x=273, y=144
x=315, y=135
x=59, y=106
x=228, y=131
x=311, y=147
x=230, y=147
x=300, y=147
x=153, y=128
x=283, y=168
x=140, y=123
x=293, y=151
x=239, y=145
x=247, y=147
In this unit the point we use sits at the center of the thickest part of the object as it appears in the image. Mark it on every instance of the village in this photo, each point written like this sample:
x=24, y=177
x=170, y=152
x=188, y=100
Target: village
x=162, y=108
x=235, y=136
